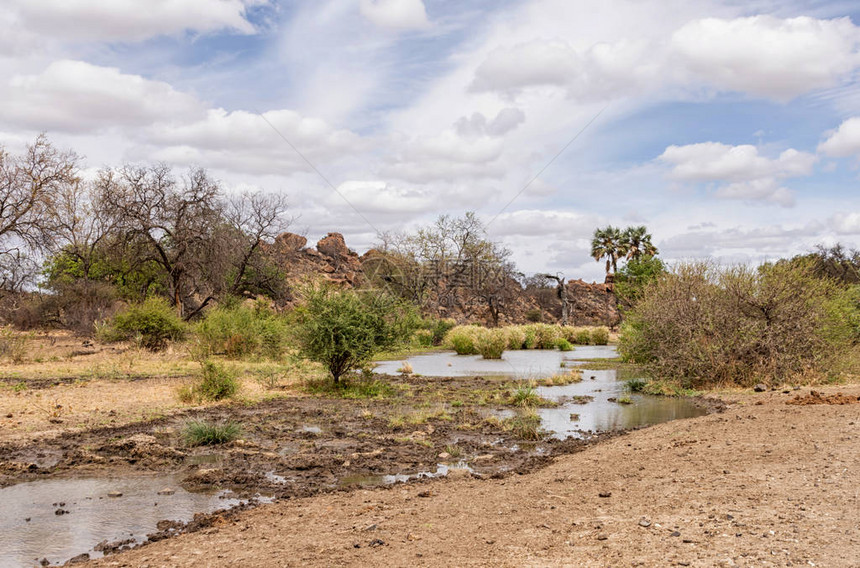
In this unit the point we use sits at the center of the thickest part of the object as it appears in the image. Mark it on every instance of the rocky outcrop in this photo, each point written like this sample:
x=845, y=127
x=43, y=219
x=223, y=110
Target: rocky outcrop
x=592, y=304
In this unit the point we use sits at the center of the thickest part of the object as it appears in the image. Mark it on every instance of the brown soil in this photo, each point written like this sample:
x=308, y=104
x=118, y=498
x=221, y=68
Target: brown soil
x=815, y=397
x=758, y=485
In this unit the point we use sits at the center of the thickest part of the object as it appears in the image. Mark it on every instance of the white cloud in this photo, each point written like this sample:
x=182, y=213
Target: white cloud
x=846, y=223
x=600, y=71
x=768, y=56
x=548, y=224
x=76, y=96
x=845, y=141
x=478, y=125
x=750, y=176
x=130, y=20
x=717, y=161
x=383, y=197
x=245, y=142
x=396, y=14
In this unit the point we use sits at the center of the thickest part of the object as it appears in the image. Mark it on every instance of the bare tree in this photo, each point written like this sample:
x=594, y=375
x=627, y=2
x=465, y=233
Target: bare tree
x=561, y=289
x=28, y=186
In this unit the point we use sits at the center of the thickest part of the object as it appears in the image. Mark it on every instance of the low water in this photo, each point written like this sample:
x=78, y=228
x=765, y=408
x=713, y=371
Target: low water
x=524, y=364
x=599, y=414
x=376, y=480
x=92, y=516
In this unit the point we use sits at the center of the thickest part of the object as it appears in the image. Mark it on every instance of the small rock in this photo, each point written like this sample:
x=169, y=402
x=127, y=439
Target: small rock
x=675, y=533
x=377, y=542
x=602, y=537
x=114, y=494
x=79, y=559
x=410, y=537
x=166, y=491
x=444, y=456
x=644, y=523
x=761, y=387
x=60, y=512
x=372, y=527
x=44, y=562
x=605, y=494
x=683, y=563
x=426, y=494
x=485, y=457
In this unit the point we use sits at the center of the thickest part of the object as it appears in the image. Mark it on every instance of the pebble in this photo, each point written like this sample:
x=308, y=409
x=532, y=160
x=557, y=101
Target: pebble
x=605, y=494
x=761, y=387
x=114, y=494
x=675, y=533
x=644, y=523
x=166, y=491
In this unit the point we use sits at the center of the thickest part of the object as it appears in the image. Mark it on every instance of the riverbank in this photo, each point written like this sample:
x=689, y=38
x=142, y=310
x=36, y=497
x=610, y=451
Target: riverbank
x=765, y=483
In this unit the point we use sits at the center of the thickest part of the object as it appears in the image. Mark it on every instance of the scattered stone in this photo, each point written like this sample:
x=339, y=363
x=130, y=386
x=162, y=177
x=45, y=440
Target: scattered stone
x=44, y=562
x=485, y=457
x=166, y=491
x=79, y=559
x=644, y=523
x=444, y=456
x=602, y=537
x=114, y=494
x=605, y=494
x=372, y=527
x=675, y=533
x=426, y=494
x=376, y=542
x=60, y=512
x=761, y=387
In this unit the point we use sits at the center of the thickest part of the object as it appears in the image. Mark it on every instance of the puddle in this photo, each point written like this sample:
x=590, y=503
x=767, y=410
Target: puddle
x=532, y=363
x=600, y=414
x=92, y=516
x=364, y=480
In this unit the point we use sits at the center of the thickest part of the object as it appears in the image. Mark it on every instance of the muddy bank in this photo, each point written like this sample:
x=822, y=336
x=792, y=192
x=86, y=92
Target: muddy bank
x=767, y=484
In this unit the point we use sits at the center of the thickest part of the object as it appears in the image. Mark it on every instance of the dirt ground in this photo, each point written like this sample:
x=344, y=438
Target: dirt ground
x=764, y=483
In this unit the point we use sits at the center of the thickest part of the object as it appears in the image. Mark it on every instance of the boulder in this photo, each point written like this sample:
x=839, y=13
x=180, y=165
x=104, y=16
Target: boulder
x=290, y=242
x=334, y=246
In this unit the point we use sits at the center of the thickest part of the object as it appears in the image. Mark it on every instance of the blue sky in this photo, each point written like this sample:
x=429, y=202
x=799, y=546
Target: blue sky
x=731, y=129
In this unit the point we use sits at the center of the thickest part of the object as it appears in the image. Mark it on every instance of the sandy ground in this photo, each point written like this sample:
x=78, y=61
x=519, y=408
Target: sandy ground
x=762, y=484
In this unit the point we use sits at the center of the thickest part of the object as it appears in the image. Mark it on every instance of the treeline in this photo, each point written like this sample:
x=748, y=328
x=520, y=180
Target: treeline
x=130, y=233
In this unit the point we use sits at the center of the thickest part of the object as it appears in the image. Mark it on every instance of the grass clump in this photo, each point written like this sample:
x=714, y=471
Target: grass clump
x=581, y=336
x=216, y=382
x=462, y=339
x=151, y=325
x=599, y=336
x=561, y=379
x=204, y=433
x=624, y=400
x=563, y=344
x=636, y=384
x=362, y=388
x=491, y=343
x=525, y=396
x=525, y=425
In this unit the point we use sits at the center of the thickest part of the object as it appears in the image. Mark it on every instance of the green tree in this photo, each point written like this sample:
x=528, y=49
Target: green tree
x=345, y=329
x=608, y=243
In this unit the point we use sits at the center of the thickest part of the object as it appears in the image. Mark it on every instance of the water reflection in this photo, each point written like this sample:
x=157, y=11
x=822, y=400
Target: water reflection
x=91, y=517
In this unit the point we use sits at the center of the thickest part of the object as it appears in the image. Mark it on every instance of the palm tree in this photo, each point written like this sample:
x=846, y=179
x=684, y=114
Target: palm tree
x=608, y=243
x=637, y=242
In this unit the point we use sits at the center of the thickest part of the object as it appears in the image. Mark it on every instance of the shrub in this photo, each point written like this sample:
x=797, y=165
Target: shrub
x=240, y=330
x=344, y=329
x=13, y=344
x=563, y=344
x=150, y=324
x=702, y=326
x=534, y=315
x=491, y=343
x=203, y=433
x=525, y=425
x=599, y=336
x=439, y=328
x=636, y=384
x=216, y=382
x=530, y=341
x=546, y=335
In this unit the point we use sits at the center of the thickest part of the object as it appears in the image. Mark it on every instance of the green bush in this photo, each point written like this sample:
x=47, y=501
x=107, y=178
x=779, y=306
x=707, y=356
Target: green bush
x=491, y=343
x=599, y=336
x=241, y=331
x=150, y=324
x=345, y=329
x=203, y=433
x=703, y=326
x=534, y=315
x=216, y=382
x=516, y=336
x=563, y=344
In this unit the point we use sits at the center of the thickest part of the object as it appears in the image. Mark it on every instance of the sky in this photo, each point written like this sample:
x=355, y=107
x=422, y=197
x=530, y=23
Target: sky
x=731, y=129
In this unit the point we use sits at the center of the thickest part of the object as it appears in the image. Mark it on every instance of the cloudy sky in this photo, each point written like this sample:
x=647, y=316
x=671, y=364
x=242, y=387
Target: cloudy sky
x=730, y=128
